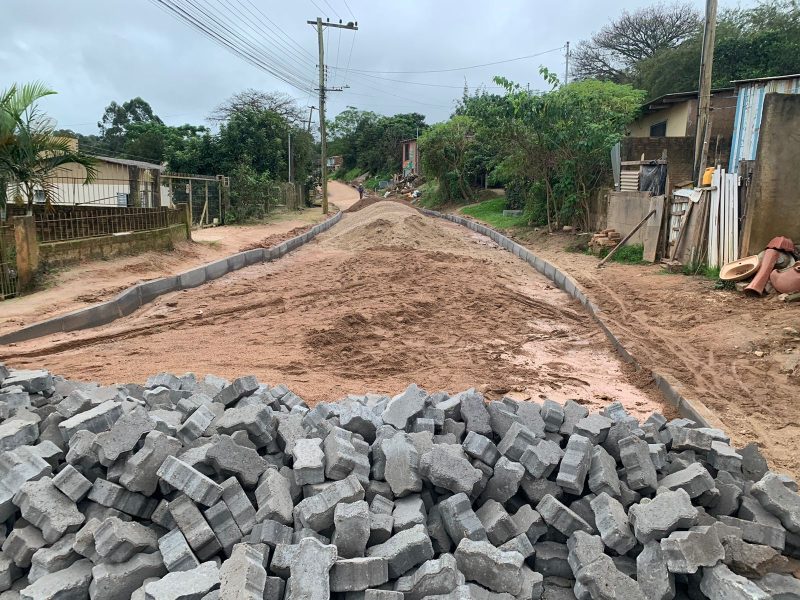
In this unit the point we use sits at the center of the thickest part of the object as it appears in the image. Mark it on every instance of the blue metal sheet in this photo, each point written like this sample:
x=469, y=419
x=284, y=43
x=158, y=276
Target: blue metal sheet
x=749, y=107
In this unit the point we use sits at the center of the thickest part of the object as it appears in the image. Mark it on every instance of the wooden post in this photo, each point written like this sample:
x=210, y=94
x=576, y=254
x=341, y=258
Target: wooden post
x=27, y=250
x=704, y=94
x=186, y=212
x=133, y=186
x=205, y=207
x=156, y=173
x=626, y=238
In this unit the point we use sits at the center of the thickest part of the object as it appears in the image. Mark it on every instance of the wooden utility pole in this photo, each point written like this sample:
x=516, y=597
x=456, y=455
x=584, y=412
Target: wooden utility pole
x=310, y=114
x=290, y=157
x=704, y=94
x=319, y=23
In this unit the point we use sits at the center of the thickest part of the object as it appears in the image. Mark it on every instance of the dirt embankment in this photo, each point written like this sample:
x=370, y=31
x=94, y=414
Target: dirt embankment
x=734, y=353
x=77, y=286
x=385, y=298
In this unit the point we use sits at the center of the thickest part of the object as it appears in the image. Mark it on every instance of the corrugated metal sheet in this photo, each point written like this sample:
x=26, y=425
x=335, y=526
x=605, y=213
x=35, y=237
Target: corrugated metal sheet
x=749, y=106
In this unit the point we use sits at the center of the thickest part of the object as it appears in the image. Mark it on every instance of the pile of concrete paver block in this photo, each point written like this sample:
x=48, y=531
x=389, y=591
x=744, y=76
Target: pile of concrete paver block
x=187, y=488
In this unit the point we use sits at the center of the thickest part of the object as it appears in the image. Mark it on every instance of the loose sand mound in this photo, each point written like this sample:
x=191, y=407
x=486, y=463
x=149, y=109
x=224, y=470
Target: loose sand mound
x=393, y=225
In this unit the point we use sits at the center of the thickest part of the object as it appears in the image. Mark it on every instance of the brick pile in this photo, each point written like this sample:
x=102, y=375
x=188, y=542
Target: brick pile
x=202, y=489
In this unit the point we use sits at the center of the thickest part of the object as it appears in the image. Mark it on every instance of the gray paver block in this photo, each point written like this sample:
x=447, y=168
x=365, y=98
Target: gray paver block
x=310, y=568
x=447, y=470
x=359, y=574
x=687, y=551
x=176, y=553
x=113, y=581
x=118, y=541
x=352, y=529
x=575, y=464
x=401, y=465
x=190, y=481
x=42, y=504
x=612, y=523
x=71, y=582
x=185, y=585
x=720, y=583
x=489, y=566
x=662, y=515
x=404, y=550
x=404, y=407
x=779, y=500
x=243, y=576
x=640, y=472
x=560, y=517
x=317, y=511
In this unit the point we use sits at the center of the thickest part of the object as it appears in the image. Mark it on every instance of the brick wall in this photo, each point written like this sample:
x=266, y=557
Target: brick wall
x=680, y=153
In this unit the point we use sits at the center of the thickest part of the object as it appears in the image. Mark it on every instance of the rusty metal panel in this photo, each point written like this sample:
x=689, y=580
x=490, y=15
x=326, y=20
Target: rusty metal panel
x=749, y=107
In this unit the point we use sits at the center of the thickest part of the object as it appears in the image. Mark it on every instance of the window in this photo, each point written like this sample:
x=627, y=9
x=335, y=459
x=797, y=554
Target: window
x=658, y=129
x=405, y=152
x=38, y=197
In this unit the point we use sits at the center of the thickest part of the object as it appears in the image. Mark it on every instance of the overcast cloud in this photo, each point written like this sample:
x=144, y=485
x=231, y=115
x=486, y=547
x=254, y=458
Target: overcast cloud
x=96, y=51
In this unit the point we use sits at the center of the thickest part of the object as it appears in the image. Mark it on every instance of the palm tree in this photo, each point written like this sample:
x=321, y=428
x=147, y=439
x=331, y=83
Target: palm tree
x=30, y=152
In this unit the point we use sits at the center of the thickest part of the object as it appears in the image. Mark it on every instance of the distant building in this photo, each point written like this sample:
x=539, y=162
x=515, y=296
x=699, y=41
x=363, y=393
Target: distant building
x=334, y=163
x=410, y=158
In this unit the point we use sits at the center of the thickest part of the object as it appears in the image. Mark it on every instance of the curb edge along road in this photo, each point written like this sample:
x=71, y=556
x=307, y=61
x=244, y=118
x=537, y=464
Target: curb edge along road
x=143, y=293
x=691, y=409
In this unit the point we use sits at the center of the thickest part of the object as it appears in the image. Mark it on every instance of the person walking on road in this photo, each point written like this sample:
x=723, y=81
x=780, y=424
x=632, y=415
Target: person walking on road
x=360, y=191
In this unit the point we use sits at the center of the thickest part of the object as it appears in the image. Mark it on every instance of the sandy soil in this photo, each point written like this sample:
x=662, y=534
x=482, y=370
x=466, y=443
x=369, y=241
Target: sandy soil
x=86, y=283
x=708, y=341
x=385, y=298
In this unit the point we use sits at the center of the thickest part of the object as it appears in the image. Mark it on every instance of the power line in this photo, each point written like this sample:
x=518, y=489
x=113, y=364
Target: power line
x=318, y=8
x=489, y=64
x=439, y=85
x=277, y=64
x=338, y=16
x=241, y=48
x=350, y=11
x=281, y=31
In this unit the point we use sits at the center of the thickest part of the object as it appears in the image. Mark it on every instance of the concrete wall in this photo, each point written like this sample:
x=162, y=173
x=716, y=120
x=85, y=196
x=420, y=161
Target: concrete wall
x=773, y=199
x=625, y=211
x=70, y=251
x=681, y=117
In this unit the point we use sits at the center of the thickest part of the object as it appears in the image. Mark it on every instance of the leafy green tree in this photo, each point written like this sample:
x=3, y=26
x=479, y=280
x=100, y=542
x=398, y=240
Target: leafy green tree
x=30, y=150
x=761, y=41
x=444, y=152
x=118, y=118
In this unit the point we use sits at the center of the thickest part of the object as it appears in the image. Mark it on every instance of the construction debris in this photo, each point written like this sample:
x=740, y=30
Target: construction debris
x=204, y=488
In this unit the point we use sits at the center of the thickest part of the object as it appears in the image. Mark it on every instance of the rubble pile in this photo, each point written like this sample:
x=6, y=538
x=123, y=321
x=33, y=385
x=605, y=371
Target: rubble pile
x=200, y=489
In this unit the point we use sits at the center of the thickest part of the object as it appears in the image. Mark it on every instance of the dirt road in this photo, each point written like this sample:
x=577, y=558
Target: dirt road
x=732, y=352
x=86, y=283
x=385, y=298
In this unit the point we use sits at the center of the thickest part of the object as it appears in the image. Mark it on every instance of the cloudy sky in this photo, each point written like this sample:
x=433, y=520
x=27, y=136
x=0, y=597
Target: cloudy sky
x=96, y=51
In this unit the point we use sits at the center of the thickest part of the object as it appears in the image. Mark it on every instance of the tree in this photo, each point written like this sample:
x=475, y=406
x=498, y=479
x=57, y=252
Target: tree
x=118, y=119
x=761, y=41
x=259, y=101
x=444, y=150
x=613, y=52
x=30, y=151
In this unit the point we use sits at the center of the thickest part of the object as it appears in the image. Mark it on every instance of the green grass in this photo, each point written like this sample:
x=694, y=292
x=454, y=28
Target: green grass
x=627, y=255
x=491, y=212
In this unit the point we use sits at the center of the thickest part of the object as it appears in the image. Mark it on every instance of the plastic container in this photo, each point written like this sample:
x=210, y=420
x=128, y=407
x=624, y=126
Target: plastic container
x=707, y=176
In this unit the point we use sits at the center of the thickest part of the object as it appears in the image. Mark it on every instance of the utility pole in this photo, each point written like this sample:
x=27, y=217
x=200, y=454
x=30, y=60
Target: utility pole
x=310, y=114
x=319, y=23
x=704, y=95
x=566, y=66
x=290, y=156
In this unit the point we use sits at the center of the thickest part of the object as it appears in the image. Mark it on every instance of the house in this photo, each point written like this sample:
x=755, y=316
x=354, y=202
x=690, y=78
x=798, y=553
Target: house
x=410, y=157
x=118, y=182
x=668, y=125
x=334, y=163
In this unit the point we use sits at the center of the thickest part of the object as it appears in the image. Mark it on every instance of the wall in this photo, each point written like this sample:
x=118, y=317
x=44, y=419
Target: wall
x=70, y=251
x=773, y=208
x=625, y=211
x=676, y=117
x=680, y=153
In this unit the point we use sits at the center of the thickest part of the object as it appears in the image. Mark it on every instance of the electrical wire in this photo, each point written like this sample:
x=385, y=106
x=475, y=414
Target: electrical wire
x=338, y=16
x=350, y=11
x=489, y=64
x=211, y=27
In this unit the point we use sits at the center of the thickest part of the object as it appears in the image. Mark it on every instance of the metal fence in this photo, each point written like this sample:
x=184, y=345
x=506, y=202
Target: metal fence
x=206, y=195
x=8, y=262
x=143, y=191
x=61, y=223
x=289, y=195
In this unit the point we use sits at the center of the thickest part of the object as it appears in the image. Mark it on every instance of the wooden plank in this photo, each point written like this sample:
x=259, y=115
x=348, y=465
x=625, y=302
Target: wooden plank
x=652, y=229
x=713, y=222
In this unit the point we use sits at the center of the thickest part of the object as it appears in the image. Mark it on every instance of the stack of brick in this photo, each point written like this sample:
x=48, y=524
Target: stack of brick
x=184, y=488
x=604, y=240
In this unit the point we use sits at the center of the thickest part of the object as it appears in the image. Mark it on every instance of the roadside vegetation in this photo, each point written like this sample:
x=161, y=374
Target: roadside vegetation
x=250, y=144
x=491, y=213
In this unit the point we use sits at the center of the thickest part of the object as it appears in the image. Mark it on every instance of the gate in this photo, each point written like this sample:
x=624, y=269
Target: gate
x=206, y=195
x=8, y=262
